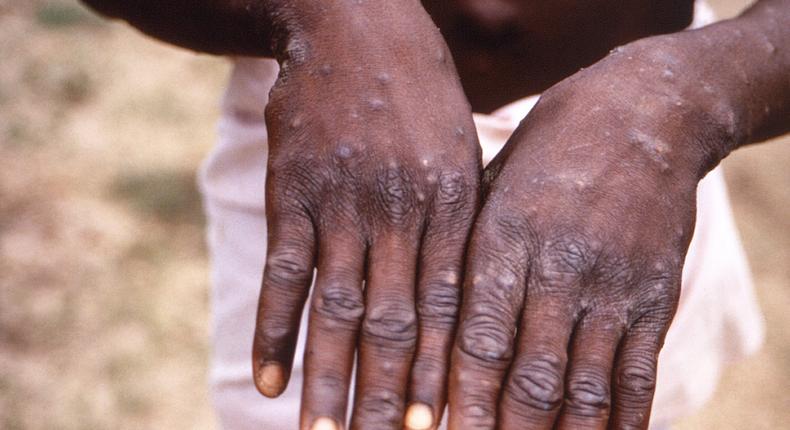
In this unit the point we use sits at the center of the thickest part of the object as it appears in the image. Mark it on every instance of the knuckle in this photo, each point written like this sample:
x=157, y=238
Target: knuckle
x=636, y=380
x=453, y=194
x=513, y=231
x=479, y=413
x=487, y=338
x=294, y=182
x=614, y=271
x=395, y=192
x=659, y=293
x=588, y=393
x=339, y=302
x=632, y=422
x=569, y=256
x=391, y=325
x=289, y=266
x=379, y=408
x=538, y=382
x=438, y=302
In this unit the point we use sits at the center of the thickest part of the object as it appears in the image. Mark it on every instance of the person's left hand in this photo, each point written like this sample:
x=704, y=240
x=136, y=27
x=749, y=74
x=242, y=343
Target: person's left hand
x=574, y=266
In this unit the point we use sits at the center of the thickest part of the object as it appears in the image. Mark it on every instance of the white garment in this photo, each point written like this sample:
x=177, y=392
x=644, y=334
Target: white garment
x=717, y=321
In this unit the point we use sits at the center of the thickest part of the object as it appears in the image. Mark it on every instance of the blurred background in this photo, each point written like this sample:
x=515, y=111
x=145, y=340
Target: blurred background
x=103, y=271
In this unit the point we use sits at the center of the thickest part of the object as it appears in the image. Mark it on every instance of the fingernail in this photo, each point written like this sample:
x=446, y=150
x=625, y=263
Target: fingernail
x=324, y=423
x=419, y=416
x=270, y=380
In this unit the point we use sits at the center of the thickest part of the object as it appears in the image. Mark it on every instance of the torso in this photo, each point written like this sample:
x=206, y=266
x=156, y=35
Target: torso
x=507, y=49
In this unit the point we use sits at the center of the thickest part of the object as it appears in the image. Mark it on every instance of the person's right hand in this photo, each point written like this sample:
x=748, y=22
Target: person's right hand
x=373, y=180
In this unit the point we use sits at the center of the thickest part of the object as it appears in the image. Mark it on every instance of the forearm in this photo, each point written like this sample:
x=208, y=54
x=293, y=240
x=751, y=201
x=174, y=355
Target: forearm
x=267, y=27
x=753, y=74
x=223, y=27
x=714, y=89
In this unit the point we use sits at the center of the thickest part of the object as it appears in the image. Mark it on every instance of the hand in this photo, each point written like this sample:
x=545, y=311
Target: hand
x=373, y=179
x=574, y=266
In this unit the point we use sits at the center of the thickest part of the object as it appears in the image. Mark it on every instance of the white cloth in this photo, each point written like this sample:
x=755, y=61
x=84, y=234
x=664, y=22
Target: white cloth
x=717, y=321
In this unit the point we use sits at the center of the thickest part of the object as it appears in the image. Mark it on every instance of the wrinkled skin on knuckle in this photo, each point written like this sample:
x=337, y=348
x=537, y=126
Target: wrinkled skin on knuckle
x=289, y=266
x=588, y=393
x=341, y=303
x=655, y=300
x=378, y=408
x=636, y=380
x=480, y=413
x=567, y=253
x=338, y=215
x=501, y=243
x=538, y=382
x=438, y=303
x=487, y=338
x=455, y=196
x=390, y=325
x=293, y=186
x=664, y=278
x=395, y=195
x=558, y=271
x=614, y=271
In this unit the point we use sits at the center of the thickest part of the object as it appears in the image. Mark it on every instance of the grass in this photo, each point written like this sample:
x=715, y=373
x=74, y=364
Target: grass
x=170, y=196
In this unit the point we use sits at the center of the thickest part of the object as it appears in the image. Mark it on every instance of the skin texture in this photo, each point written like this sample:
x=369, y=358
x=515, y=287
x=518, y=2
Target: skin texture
x=559, y=303
x=367, y=186
x=573, y=269
x=226, y=27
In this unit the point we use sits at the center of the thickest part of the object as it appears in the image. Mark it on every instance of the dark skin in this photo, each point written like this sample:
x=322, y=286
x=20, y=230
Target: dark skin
x=572, y=269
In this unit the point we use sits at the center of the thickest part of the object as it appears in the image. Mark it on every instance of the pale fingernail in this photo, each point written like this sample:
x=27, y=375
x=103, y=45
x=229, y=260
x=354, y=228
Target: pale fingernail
x=324, y=423
x=419, y=417
x=270, y=380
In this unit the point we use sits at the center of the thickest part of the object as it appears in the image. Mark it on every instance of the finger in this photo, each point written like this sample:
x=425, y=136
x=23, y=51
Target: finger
x=286, y=285
x=589, y=376
x=492, y=302
x=389, y=334
x=335, y=315
x=634, y=380
x=532, y=396
x=438, y=300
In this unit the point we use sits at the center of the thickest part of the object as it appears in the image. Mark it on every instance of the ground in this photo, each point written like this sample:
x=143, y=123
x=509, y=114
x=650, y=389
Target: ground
x=103, y=270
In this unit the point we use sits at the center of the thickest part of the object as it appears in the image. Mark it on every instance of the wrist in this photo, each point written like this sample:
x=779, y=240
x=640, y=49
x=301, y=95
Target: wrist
x=684, y=96
x=731, y=78
x=351, y=31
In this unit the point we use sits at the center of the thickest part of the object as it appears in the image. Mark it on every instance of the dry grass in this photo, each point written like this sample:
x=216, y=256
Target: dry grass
x=103, y=279
x=103, y=273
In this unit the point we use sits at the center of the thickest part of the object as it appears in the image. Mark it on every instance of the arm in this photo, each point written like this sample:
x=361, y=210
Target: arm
x=231, y=27
x=749, y=66
x=372, y=179
x=575, y=261
x=734, y=71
